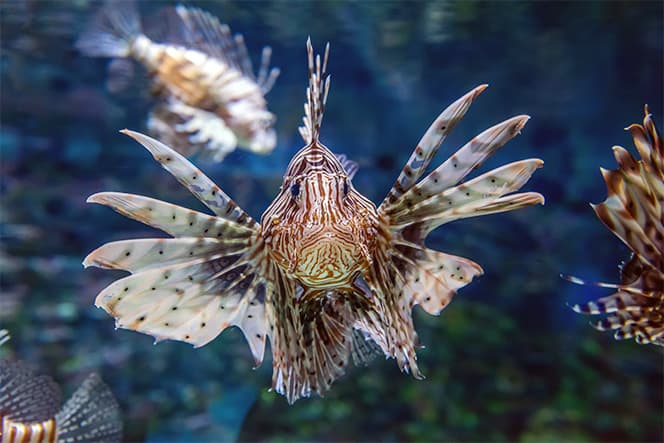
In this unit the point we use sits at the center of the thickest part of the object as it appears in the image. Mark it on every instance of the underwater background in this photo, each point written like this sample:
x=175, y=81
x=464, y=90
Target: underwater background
x=507, y=360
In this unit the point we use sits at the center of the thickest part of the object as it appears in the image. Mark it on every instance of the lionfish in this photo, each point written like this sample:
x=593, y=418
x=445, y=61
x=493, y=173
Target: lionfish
x=634, y=212
x=325, y=275
x=30, y=409
x=210, y=100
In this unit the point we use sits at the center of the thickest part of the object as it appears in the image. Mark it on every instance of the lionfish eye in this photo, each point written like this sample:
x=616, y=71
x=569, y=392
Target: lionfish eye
x=295, y=189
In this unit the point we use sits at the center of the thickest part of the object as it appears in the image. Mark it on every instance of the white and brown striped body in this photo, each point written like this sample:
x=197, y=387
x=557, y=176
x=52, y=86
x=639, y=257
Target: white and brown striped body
x=15, y=432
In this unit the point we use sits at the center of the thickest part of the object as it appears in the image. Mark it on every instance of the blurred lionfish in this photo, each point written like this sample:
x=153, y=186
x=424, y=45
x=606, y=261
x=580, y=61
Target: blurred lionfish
x=29, y=408
x=326, y=275
x=210, y=99
x=634, y=212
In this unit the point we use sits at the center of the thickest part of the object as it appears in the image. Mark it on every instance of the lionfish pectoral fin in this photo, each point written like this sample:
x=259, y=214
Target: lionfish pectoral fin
x=91, y=415
x=428, y=146
x=172, y=219
x=434, y=280
x=194, y=180
x=192, y=299
x=191, y=287
x=26, y=397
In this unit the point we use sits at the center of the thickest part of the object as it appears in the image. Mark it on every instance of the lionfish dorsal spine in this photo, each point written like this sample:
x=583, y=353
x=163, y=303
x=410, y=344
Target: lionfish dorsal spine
x=319, y=86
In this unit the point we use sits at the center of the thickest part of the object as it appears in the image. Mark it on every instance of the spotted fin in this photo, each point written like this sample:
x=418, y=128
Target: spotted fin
x=91, y=415
x=428, y=146
x=436, y=278
x=482, y=195
x=193, y=179
x=172, y=219
x=26, y=397
x=319, y=86
x=191, y=287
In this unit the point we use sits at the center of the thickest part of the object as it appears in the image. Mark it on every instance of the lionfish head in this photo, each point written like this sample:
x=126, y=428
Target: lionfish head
x=316, y=229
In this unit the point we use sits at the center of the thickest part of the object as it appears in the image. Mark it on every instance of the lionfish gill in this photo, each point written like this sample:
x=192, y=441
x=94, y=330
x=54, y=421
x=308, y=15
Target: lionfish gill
x=326, y=275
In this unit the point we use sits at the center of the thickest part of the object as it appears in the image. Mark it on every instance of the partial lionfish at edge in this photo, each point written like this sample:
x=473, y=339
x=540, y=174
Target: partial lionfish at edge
x=634, y=212
x=226, y=269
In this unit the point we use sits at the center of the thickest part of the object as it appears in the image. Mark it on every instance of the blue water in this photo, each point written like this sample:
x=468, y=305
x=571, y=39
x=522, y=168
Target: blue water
x=507, y=360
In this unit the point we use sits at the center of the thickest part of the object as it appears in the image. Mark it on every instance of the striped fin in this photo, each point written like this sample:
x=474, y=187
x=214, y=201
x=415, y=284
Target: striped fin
x=193, y=179
x=172, y=219
x=312, y=344
x=319, y=86
x=465, y=160
x=91, y=415
x=479, y=196
x=26, y=397
x=428, y=146
x=617, y=218
x=618, y=301
x=436, y=278
x=204, y=32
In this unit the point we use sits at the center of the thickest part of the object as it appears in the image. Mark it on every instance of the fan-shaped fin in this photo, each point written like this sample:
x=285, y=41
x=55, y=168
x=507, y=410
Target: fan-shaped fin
x=193, y=301
x=428, y=146
x=26, y=397
x=437, y=276
x=91, y=415
x=193, y=179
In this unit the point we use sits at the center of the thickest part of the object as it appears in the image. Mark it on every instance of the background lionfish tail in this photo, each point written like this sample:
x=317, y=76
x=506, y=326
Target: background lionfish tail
x=26, y=397
x=91, y=415
x=319, y=86
x=195, y=285
x=633, y=211
x=112, y=31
